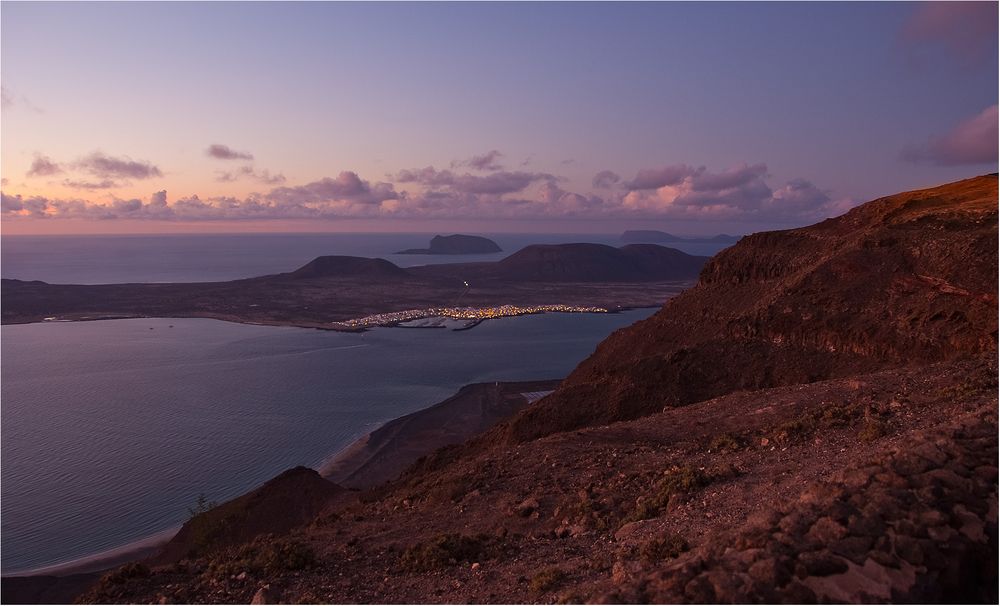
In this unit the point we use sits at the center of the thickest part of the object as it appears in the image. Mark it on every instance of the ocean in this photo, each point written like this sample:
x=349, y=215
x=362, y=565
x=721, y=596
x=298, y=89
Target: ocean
x=112, y=429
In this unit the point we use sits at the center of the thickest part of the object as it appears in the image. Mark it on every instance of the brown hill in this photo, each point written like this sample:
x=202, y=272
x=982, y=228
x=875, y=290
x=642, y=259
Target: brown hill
x=907, y=279
x=285, y=502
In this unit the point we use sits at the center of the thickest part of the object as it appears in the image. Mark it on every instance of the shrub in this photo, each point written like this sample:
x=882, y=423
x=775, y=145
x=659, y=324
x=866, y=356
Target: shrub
x=445, y=550
x=677, y=481
x=873, y=427
x=666, y=548
x=201, y=505
x=726, y=441
x=132, y=570
x=547, y=579
x=266, y=555
x=807, y=424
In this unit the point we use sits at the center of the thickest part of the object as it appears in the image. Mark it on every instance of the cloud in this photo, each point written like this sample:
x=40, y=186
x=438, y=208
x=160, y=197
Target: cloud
x=7, y=101
x=605, y=179
x=158, y=199
x=654, y=178
x=498, y=183
x=729, y=179
x=106, y=167
x=347, y=190
x=262, y=176
x=738, y=193
x=224, y=152
x=76, y=184
x=684, y=192
x=798, y=195
x=502, y=182
x=965, y=30
x=487, y=161
x=43, y=166
x=972, y=141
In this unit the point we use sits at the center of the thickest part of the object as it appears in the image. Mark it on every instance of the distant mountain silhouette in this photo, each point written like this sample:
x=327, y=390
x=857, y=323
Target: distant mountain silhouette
x=579, y=263
x=457, y=244
x=344, y=266
x=649, y=235
x=653, y=235
x=598, y=263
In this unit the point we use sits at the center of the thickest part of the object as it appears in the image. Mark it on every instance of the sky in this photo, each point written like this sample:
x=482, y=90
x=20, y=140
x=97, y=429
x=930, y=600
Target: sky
x=696, y=118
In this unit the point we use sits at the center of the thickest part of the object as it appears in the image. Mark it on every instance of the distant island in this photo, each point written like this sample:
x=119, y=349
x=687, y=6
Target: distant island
x=457, y=244
x=653, y=235
x=352, y=293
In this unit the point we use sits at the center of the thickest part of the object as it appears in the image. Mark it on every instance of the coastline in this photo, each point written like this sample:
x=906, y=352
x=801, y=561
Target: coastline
x=102, y=560
x=367, y=461
x=377, y=455
x=382, y=454
x=334, y=326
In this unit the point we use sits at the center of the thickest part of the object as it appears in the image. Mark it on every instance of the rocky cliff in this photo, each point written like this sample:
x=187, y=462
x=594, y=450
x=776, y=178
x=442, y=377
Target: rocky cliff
x=907, y=279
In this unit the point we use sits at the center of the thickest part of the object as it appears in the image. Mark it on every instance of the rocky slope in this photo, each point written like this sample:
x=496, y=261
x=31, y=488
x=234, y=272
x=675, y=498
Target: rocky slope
x=907, y=279
x=876, y=488
x=815, y=421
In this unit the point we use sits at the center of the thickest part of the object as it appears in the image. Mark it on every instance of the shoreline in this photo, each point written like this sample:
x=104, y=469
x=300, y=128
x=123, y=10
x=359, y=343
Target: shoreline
x=388, y=449
x=352, y=456
x=335, y=326
x=102, y=560
x=478, y=415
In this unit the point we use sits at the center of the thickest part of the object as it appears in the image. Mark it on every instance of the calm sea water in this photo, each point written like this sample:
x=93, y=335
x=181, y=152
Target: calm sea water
x=208, y=257
x=111, y=429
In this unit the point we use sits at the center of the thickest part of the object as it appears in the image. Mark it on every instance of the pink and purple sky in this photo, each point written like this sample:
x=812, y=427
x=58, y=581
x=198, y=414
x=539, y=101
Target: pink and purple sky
x=484, y=117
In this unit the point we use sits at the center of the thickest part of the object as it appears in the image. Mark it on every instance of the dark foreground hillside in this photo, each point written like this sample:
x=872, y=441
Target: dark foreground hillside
x=816, y=421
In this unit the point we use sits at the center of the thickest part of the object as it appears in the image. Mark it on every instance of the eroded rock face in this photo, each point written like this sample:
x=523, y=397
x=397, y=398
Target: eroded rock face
x=907, y=279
